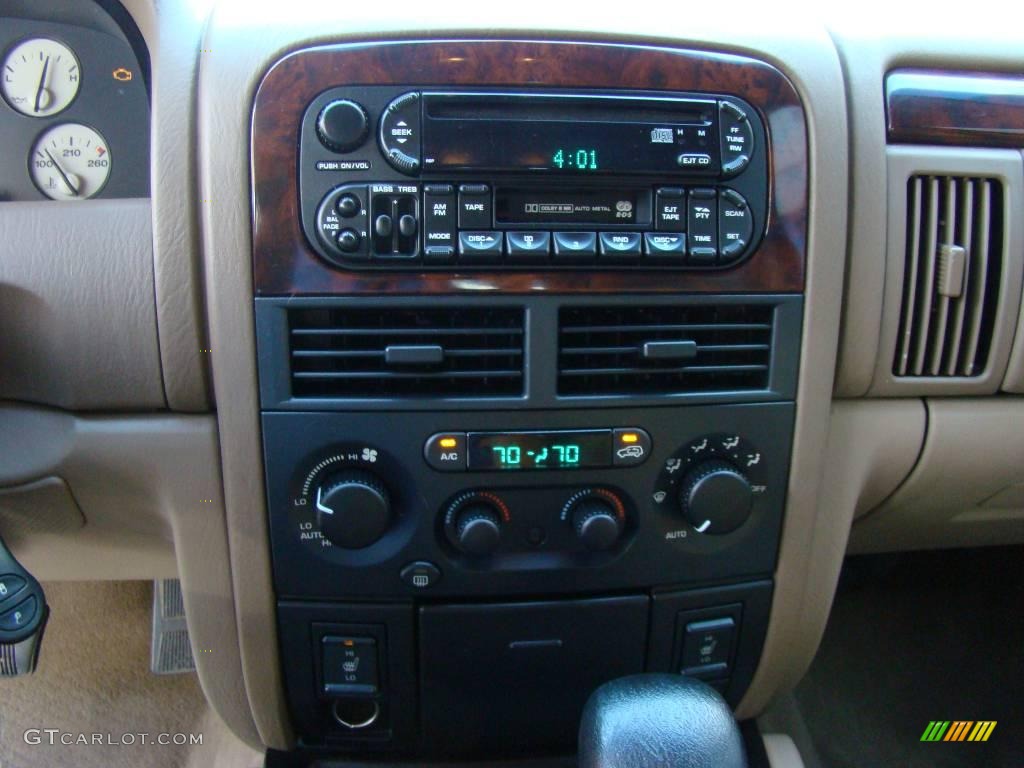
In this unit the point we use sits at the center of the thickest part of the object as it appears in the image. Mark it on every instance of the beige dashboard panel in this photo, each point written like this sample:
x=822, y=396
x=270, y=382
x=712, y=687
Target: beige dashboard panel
x=76, y=305
x=965, y=489
x=128, y=497
x=172, y=33
x=928, y=41
x=241, y=43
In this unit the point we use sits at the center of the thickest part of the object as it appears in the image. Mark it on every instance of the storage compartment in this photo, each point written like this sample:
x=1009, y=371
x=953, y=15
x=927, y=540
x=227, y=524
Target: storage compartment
x=514, y=677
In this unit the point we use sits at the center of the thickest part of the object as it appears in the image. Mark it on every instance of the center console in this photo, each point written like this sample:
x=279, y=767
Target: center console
x=528, y=320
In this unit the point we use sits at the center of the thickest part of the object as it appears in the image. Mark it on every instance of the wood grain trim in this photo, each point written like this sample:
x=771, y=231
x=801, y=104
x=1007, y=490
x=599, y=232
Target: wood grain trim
x=954, y=108
x=285, y=264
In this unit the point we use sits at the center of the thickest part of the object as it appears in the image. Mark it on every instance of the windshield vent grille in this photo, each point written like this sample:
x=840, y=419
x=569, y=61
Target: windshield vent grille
x=951, y=277
x=664, y=350
x=456, y=352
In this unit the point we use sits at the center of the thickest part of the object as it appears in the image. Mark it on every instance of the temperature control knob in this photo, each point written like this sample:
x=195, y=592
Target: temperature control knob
x=353, y=509
x=715, y=497
x=474, y=523
x=596, y=523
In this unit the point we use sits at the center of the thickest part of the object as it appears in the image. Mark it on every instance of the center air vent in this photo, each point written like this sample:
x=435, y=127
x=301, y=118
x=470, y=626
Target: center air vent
x=664, y=350
x=392, y=352
x=951, y=276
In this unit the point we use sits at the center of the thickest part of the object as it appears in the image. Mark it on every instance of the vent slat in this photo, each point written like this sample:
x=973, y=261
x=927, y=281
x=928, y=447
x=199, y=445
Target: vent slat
x=951, y=276
x=966, y=235
x=600, y=349
x=910, y=278
x=948, y=222
x=386, y=375
x=931, y=240
x=344, y=352
x=978, y=293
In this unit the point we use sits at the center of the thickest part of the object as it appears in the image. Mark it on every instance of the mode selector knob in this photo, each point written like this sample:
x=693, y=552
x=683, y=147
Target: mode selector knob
x=353, y=509
x=715, y=497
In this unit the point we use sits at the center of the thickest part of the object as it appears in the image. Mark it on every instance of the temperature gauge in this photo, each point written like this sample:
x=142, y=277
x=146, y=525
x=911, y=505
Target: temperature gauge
x=40, y=77
x=70, y=162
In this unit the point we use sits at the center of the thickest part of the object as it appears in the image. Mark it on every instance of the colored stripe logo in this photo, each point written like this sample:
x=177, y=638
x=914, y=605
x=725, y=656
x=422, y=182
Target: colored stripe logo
x=958, y=730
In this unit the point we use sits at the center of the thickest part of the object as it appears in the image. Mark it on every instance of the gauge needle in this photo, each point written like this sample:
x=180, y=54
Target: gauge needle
x=42, y=82
x=72, y=187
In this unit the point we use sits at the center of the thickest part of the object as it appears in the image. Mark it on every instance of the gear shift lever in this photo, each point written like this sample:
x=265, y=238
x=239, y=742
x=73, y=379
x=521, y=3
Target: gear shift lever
x=23, y=614
x=659, y=721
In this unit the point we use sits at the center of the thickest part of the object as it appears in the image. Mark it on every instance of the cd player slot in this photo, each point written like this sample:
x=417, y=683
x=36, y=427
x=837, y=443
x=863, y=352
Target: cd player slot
x=559, y=108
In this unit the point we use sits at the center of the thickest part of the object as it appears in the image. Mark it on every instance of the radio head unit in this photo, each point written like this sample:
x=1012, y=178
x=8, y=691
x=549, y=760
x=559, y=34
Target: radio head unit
x=536, y=179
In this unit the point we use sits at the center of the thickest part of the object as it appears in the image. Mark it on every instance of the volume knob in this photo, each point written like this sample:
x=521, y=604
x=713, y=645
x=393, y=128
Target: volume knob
x=715, y=497
x=342, y=125
x=353, y=509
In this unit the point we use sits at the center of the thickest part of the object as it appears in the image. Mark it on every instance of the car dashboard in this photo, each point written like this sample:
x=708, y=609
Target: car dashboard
x=457, y=364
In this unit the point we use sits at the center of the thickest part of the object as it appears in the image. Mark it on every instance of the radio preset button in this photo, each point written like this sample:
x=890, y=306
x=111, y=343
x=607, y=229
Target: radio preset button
x=659, y=245
x=446, y=451
x=624, y=246
x=737, y=138
x=703, y=224
x=574, y=245
x=400, y=133
x=670, y=210
x=474, y=206
x=528, y=246
x=480, y=247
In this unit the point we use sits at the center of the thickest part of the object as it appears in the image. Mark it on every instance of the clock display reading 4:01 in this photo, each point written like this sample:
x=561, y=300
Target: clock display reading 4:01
x=579, y=159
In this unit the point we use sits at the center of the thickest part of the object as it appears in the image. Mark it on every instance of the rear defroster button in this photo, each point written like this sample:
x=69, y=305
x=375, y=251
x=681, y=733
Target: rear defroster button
x=421, y=575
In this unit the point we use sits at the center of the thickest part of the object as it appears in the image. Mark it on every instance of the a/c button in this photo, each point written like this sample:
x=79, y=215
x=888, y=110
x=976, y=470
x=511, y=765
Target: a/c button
x=446, y=451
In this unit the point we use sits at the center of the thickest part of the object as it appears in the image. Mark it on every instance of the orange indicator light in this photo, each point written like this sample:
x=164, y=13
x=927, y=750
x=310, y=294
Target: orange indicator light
x=122, y=74
x=630, y=437
x=449, y=442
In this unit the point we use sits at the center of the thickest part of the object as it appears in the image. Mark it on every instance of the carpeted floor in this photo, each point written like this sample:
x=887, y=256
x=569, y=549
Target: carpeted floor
x=917, y=637
x=93, y=678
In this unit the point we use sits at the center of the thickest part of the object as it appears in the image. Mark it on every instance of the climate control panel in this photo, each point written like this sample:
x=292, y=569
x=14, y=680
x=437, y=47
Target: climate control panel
x=395, y=504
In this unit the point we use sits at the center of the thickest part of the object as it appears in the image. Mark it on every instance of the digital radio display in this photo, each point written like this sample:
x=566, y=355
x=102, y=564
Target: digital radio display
x=539, y=450
x=565, y=135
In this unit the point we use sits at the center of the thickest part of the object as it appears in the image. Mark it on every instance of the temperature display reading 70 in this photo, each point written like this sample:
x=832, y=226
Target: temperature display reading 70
x=539, y=450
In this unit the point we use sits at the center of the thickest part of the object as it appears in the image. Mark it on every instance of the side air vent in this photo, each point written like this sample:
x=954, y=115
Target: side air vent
x=664, y=350
x=392, y=352
x=951, y=276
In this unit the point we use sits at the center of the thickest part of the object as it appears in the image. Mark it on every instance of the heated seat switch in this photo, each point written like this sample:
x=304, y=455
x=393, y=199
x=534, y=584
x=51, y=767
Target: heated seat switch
x=23, y=614
x=350, y=665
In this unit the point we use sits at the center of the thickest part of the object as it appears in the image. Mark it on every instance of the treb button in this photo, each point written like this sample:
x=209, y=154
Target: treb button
x=446, y=451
